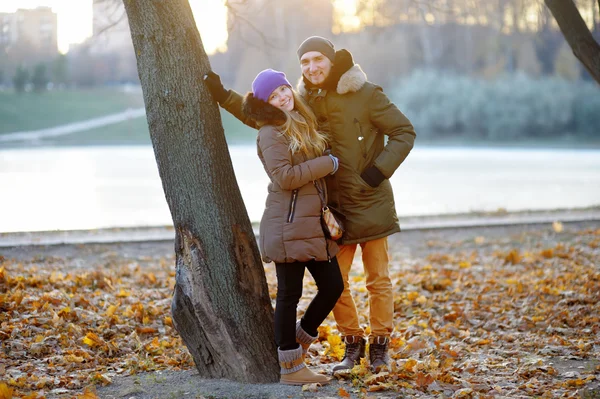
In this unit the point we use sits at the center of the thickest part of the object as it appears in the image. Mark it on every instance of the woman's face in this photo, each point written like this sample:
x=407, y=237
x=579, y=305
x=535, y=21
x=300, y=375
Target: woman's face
x=282, y=98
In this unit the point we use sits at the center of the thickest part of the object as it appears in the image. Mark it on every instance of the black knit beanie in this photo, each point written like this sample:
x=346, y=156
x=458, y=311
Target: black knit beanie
x=317, y=43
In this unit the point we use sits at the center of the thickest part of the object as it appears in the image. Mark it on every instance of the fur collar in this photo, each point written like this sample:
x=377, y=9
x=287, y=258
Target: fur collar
x=261, y=112
x=352, y=80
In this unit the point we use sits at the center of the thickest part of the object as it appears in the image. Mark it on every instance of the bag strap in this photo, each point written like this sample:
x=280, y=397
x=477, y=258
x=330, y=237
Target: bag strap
x=320, y=192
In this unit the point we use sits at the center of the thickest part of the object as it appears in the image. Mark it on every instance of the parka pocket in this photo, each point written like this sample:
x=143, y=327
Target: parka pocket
x=292, y=208
x=360, y=137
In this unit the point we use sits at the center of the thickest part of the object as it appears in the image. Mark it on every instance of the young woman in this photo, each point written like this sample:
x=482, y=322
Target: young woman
x=291, y=234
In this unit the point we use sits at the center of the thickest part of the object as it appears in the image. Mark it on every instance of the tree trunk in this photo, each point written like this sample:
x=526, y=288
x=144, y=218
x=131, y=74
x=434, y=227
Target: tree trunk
x=579, y=37
x=221, y=306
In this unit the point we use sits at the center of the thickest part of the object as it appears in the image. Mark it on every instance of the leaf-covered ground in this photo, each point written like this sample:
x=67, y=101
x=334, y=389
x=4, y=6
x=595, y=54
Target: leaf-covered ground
x=480, y=313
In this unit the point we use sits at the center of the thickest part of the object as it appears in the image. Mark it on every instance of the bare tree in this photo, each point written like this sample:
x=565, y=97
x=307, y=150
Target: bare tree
x=221, y=307
x=579, y=37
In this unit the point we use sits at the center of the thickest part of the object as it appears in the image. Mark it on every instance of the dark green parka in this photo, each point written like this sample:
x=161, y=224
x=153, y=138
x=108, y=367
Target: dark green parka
x=357, y=116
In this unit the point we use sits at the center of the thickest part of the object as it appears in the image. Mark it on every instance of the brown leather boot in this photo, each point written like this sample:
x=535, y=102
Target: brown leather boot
x=355, y=350
x=295, y=372
x=304, y=338
x=378, y=353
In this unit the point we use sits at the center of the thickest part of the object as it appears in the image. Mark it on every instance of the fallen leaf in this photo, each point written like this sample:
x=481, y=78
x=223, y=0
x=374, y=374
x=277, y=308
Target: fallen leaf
x=557, y=227
x=5, y=391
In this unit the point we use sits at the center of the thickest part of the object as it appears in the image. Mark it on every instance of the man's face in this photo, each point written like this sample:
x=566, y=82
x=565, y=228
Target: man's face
x=315, y=67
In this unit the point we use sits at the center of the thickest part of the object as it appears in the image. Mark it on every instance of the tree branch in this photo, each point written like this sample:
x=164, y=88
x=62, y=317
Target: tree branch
x=577, y=34
x=116, y=7
x=232, y=8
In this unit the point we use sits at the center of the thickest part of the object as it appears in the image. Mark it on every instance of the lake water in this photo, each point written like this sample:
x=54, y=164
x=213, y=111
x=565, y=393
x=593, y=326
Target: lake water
x=94, y=187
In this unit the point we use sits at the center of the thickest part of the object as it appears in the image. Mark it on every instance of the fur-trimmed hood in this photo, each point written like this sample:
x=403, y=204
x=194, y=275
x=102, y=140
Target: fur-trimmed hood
x=261, y=112
x=345, y=76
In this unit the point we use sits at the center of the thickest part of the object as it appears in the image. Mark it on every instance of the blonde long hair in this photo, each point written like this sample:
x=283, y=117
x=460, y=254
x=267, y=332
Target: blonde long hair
x=301, y=129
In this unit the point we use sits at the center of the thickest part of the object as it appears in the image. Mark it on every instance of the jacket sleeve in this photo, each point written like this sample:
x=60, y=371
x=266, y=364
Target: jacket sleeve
x=279, y=165
x=401, y=134
x=233, y=105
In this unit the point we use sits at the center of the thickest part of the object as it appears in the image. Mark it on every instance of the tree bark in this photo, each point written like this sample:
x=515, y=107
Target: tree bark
x=221, y=306
x=579, y=37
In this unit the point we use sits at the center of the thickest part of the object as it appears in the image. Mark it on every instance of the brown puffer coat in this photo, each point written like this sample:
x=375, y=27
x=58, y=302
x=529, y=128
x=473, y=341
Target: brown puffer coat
x=290, y=228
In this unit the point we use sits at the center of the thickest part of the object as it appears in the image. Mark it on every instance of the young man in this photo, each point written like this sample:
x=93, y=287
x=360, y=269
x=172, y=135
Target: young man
x=356, y=116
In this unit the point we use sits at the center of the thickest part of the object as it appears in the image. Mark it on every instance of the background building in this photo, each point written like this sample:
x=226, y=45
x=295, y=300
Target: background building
x=36, y=28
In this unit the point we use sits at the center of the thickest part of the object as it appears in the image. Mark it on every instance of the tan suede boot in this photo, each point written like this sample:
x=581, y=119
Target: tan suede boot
x=304, y=338
x=295, y=372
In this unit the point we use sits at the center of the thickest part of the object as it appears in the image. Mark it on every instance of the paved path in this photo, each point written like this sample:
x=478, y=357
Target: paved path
x=166, y=233
x=75, y=127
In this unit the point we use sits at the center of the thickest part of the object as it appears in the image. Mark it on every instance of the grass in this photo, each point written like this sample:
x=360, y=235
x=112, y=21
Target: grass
x=135, y=131
x=31, y=111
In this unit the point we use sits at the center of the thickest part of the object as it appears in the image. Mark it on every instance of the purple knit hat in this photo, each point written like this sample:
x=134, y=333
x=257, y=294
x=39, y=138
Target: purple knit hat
x=266, y=81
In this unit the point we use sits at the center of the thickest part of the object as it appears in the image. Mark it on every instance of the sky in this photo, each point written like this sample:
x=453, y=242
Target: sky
x=75, y=20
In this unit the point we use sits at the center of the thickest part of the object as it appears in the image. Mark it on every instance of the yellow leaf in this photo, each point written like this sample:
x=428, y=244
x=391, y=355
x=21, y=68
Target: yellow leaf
x=111, y=310
x=123, y=294
x=5, y=391
x=146, y=330
x=463, y=393
x=92, y=340
x=410, y=364
x=168, y=321
x=411, y=296
x=88, y=393
x=479, y=240
x=547, y=253
x=376, y=378
x=513, y=257
x=151, y=277
x=100, y=379
x=378, y=387
x=74, y=359
x=557, y=227
x=335, y=349
x=324, y=331
x=64, y=311
x=464, y=265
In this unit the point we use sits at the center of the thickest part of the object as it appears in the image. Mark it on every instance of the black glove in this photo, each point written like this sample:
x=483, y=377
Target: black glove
x=217, y=91
x=372, y=176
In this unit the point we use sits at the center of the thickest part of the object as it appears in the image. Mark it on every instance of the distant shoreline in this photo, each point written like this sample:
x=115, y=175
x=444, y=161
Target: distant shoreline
x=473, y=219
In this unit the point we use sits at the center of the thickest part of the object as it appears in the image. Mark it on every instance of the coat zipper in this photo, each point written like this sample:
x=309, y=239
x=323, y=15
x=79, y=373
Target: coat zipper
x=361, y=138
x=292, y=206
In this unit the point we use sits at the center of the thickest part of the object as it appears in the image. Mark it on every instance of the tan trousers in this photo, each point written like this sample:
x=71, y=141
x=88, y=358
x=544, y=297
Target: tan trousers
x=379, y=285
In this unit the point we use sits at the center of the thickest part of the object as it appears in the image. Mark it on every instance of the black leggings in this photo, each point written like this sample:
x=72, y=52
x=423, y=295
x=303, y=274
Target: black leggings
x=290, y=277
